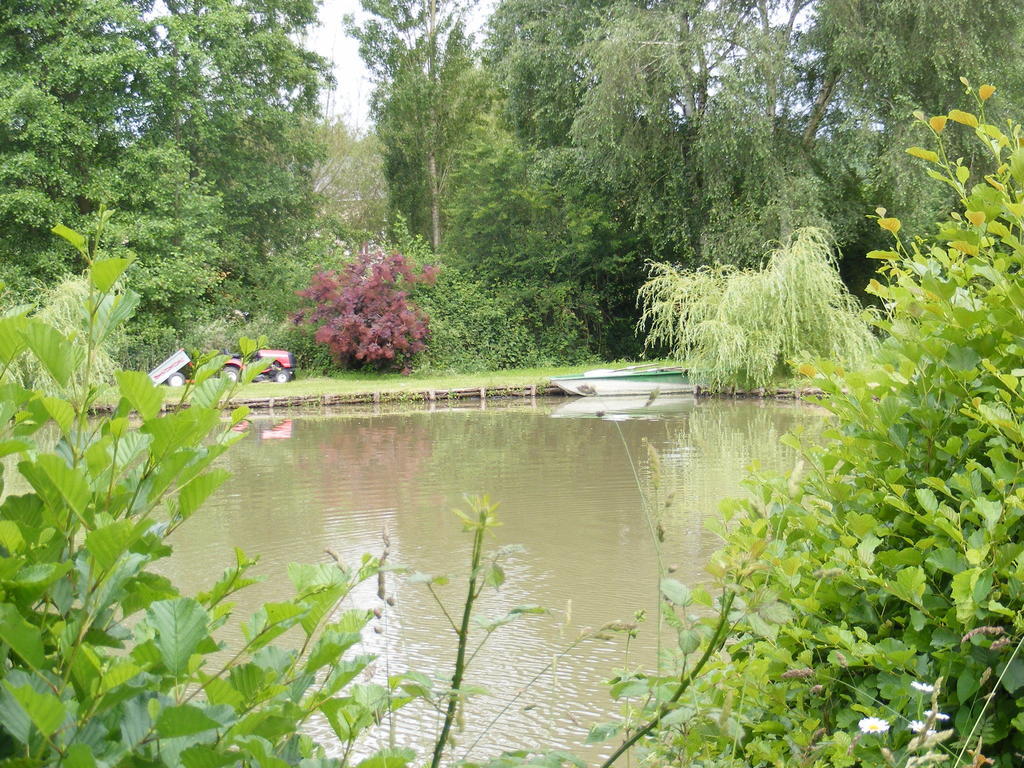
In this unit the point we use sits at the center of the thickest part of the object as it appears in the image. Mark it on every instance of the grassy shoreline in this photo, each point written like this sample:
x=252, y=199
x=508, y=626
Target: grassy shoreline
x=356, y=383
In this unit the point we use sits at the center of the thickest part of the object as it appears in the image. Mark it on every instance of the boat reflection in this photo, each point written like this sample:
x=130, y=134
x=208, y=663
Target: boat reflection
x=625, y=408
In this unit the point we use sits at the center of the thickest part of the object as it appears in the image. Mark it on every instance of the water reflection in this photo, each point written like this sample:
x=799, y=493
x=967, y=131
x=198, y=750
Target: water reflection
x=625, y=408
x=571, y=492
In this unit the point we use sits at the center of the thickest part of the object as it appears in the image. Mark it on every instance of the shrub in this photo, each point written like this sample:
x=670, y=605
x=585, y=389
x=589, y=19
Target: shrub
x=363, y=313
x=743, y=327
x=897, y=555
x=102, y=660
x=475, y=326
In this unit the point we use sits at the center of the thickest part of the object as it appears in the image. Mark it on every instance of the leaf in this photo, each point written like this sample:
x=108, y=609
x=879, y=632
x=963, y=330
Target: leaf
x=23, y=638
x=192, y=496
x=52, y=350
x=629, y=689
x=59, y=485
x=675, y=592
x=964, y=118
x=111, y=312
x=202, y=756
x=389, y=758
x=180, y=626
x=1013, y=676
x=990, y=512
x=78, y=756
x=495, y=576
x=183, y=720
x=12, y=340
x=924, y=154
x=45, y=710
x=77, y=240
x=107, y=543
x=602, y=732
x=140, y=393
x=962, y=358
x=926, y=498
x=1017, y=171
x=910, y=584
x=329, y=648
x=209, y=393
x=60, y=411
x=964, y=247
x=104, y=272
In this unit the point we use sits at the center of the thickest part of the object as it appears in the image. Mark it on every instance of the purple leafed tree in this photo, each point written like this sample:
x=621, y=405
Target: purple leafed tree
x=363, y=312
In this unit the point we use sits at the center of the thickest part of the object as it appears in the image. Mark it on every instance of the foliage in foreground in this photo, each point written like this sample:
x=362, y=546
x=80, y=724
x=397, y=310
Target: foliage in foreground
x=743, y=327
x=898, y=550
x=104, y=662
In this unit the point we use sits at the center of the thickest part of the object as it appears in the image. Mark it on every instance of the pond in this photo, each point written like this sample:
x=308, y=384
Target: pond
x=571, y=479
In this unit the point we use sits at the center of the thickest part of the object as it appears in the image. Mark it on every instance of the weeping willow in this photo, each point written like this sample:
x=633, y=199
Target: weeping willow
x=744, y=327
x=63, y=307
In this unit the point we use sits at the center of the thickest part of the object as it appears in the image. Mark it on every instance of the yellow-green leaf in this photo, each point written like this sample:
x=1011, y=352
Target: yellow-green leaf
x=924, y=154
x=964, y=118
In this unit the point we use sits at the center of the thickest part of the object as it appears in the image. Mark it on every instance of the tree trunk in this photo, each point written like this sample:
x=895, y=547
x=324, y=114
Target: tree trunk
x=820, y=105
x=435, y=202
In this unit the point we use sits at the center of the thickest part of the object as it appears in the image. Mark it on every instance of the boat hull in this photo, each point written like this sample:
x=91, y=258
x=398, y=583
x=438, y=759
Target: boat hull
x=625, y=383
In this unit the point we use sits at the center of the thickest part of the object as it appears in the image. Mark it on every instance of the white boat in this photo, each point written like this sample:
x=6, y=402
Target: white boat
x=631, y=380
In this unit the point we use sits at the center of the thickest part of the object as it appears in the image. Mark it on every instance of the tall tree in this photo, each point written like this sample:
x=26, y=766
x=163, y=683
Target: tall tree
x=193, y=118
x=726, y=124
x=426, y=95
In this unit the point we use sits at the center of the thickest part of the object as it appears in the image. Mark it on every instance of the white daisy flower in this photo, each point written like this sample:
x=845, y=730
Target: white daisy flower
x=922, y=687
x=938, y=715
x=917, y=726
x=873, y=725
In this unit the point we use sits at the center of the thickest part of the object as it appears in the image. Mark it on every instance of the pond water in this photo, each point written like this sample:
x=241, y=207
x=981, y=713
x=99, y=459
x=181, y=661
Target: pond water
x=570, y=477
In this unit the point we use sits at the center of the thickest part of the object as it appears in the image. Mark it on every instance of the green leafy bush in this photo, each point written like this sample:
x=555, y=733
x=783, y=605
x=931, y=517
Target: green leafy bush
x=102, y=661
x=475, y=326
x=744, y=327
x=895, y=554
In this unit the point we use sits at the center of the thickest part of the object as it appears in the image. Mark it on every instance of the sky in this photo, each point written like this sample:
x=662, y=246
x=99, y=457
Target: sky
x=350, y=99
x=351, y=96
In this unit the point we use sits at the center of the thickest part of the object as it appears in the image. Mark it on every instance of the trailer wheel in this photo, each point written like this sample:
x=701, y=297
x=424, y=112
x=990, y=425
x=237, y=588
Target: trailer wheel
x=230, y=372
x=176, y=379
x=282, y=377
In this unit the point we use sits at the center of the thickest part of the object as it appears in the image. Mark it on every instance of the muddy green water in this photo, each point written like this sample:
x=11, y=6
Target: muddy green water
x=570, y=477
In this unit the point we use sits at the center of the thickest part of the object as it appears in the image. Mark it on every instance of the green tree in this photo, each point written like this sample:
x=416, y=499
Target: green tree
x=527, y=222
x=426, y=96
x=195, y=119
x=747, y=327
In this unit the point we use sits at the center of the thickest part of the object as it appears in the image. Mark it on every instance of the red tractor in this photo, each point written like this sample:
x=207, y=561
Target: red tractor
x=174, y=371
x=280, y=370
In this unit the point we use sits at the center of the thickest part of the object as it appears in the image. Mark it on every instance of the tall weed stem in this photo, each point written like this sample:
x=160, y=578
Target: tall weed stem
x=716, y=642
x=472, y=593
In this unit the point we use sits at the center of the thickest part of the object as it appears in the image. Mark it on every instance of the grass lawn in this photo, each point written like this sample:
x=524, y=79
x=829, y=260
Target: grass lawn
x=359, y=382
